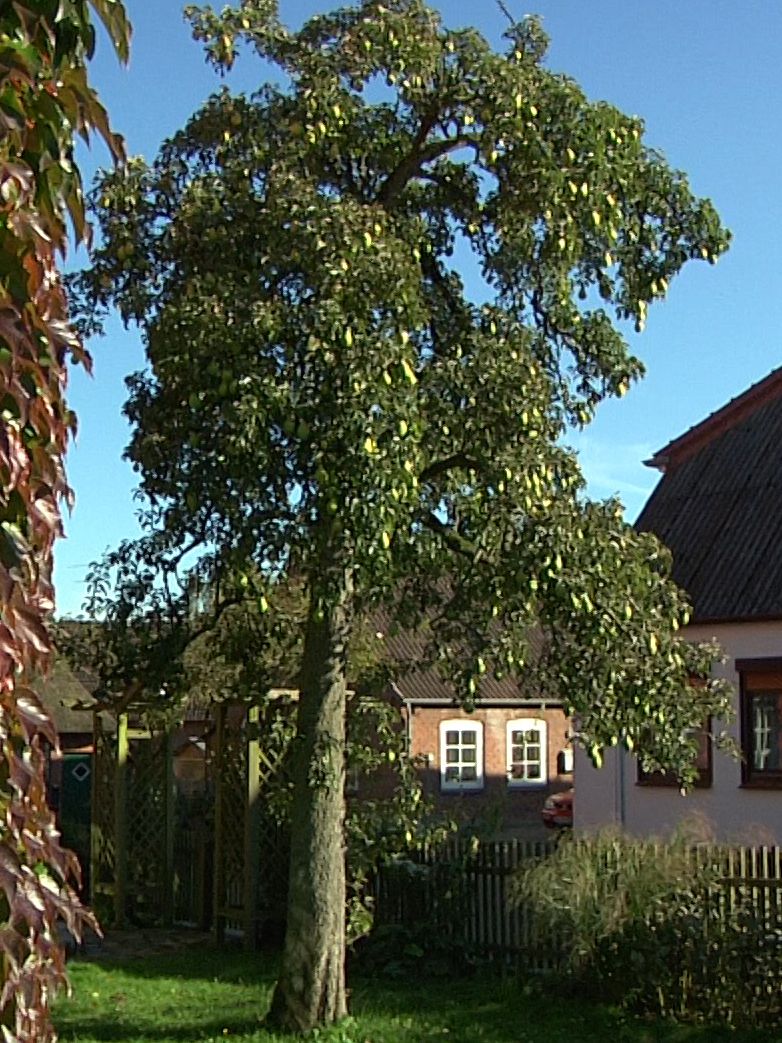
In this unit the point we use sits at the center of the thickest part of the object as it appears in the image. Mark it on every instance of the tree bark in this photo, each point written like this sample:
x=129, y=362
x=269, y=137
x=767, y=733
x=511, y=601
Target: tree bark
x=310, y=991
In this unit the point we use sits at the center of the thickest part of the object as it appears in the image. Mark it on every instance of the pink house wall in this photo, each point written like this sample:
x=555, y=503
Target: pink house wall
x=726, y=810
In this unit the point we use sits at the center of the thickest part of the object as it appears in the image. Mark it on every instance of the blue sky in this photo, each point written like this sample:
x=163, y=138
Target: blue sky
x=706, y=77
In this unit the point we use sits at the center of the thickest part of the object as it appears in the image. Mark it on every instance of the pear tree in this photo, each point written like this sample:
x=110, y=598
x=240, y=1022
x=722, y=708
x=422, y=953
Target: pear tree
x=374, y=296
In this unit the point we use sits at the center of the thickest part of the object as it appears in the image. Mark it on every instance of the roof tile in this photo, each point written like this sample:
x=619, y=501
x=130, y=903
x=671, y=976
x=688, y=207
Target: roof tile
x=718, y=509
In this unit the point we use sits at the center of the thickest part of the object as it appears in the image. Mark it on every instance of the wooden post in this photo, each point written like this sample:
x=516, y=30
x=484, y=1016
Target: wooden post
x=200, y=898
x=121, y=821
x=251, y=829
x=94, y=830
x=170, y=811
x=218, y=875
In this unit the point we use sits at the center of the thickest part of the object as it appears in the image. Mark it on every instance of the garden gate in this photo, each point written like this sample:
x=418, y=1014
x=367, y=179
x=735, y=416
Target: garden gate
x=250, y=839
x=135, y=831
x=132, y=845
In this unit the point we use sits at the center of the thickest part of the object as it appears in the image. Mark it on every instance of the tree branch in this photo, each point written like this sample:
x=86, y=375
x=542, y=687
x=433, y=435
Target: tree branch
x=449, y=463
x=418, y=156
x=450, y=536
x=454, y=303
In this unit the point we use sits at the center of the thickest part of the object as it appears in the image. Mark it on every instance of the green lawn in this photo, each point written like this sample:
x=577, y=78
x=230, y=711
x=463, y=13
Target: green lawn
x=210, y=995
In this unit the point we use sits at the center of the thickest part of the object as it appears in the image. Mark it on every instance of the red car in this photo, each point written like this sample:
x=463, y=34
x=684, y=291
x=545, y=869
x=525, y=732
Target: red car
x=557, y=811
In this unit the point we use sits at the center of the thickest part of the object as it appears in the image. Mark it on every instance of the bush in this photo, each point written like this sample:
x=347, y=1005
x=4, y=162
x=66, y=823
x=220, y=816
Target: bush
x=645, y=925
x=418, y=927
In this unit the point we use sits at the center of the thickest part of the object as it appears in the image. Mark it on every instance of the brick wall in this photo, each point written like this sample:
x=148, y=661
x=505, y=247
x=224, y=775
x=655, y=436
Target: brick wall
x=498, y=808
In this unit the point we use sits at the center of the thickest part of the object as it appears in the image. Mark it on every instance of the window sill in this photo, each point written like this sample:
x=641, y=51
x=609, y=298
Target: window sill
x=702, y=783
x=771, y=783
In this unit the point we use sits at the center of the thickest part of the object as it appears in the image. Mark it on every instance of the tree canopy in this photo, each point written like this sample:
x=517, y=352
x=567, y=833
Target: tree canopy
x=374, y=296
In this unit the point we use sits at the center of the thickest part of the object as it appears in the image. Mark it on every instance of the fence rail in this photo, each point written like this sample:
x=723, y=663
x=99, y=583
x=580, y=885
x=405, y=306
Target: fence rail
x=464, y=892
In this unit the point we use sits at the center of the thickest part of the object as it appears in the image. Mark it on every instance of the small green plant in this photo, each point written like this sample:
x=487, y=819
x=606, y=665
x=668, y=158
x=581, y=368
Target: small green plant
x=420, y=907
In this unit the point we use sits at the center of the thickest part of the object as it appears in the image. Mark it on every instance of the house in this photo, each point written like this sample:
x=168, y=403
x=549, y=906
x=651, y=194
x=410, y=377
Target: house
x=718, y=507
x=490, y=769
x=69, y=770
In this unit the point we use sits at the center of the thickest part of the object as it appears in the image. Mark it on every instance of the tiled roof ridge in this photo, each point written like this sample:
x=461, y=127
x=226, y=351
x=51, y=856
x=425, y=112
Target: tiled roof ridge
x=733, y=412
x=717, y=505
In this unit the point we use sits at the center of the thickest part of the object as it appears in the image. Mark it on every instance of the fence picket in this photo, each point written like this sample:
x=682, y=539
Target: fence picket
x=468, y=889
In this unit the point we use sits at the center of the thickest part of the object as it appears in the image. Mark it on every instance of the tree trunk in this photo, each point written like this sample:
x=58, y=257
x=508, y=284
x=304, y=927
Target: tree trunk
x=310, y=991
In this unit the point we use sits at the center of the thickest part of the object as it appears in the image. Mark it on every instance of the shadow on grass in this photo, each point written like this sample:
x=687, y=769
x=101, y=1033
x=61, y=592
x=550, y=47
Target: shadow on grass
x=229, y=963
x=108, y=1030
x=209, y=993
x=195, y=994
x=506, y=1010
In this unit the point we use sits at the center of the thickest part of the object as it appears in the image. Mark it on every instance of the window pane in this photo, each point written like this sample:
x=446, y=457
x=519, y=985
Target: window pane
x=765, y=722
x=526, y=752
x=461, y=755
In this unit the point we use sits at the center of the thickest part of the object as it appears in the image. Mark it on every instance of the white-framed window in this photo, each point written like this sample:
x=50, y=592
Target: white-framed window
x=527, y=752
x=461, y=755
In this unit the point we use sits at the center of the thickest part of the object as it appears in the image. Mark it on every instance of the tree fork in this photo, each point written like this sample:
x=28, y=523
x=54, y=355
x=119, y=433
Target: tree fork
x=311, y=988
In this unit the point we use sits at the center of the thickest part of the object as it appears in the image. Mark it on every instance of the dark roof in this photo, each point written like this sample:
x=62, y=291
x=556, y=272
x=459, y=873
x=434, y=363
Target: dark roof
x=427, y=686
x=418, y=682
x=58, y=692
x=732, y=413
x=718, y=507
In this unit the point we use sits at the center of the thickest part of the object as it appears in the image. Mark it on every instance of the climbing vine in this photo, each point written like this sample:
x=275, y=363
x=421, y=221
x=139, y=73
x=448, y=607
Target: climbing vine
x=45, y=100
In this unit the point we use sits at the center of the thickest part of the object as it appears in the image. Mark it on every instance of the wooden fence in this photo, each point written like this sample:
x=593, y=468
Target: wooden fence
x=193, y=869
x=461, y=893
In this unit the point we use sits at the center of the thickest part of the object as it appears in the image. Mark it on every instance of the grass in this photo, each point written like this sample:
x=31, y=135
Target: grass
x=217, y=995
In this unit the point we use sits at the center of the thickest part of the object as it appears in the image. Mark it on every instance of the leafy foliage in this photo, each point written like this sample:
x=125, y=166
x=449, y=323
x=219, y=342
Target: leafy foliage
x=397, y=821
x=161, y=630
x=45, y=99
x=161, y=635
x=326, y=399
x=315, y=355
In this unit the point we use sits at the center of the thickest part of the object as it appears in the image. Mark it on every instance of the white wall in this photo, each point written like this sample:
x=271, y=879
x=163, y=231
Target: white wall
x=732, y=814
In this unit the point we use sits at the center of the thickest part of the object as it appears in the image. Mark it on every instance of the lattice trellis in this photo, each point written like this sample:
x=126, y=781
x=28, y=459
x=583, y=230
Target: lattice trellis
x=276, y=728
x=132, y=821
x=148, y=825
x=230, y=817
x=102, y=837
x=251, y=840
x=274, y=855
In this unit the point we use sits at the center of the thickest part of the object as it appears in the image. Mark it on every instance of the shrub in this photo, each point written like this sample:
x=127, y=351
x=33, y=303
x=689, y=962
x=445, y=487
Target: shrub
x=418, y=927
x=646, y=925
